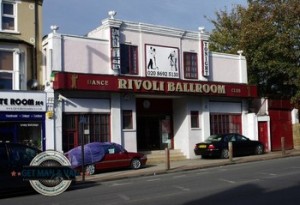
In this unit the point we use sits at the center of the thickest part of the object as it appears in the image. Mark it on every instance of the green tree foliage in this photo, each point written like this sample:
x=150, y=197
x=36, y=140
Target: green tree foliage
x=268, y=31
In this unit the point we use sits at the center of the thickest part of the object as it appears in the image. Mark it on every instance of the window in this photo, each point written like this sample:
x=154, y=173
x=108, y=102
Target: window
x=127, y=119
x=194, y=119
x=241, y=138
x=190, y=65
x=129, y=59
x=30, y=134
x=6, y=70
x=225, y=123
x=12, y=68
x=99, y=128
x=8, y=16
x=22, y=155
x=95, y=129
x=70, y=134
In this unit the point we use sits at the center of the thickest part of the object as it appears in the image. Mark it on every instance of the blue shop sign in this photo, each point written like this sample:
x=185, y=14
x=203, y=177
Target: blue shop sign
x=22, y=116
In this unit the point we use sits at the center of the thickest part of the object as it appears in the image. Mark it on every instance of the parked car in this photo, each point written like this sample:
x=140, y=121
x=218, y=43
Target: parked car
x=217, y=146
x=13, y=157
x=103, y=156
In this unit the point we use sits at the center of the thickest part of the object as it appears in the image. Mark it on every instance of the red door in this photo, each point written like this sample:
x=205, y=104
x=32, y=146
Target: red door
x=263, y=134
x=281, y=126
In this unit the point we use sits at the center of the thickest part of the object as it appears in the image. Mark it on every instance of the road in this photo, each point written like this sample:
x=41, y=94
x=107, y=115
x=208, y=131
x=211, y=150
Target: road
x=265, y=182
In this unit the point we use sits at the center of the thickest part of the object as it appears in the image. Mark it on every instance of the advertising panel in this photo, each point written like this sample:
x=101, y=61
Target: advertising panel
x=205, y=58
x=23, y=101
x=115, y=48
x=162, y=61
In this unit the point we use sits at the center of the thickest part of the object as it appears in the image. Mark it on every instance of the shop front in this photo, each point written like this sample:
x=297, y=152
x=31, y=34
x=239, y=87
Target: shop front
x=22, y=118
x=146, y=114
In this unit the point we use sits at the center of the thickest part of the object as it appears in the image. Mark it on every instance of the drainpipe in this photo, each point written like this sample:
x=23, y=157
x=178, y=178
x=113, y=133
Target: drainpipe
x=36, y=43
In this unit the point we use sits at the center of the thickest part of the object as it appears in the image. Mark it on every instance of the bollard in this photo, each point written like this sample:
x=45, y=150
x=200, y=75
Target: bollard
x=167, y=160
x=230, y=151
x=283, y=146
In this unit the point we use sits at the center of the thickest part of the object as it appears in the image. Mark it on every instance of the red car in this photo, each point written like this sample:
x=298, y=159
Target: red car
x=103, y=156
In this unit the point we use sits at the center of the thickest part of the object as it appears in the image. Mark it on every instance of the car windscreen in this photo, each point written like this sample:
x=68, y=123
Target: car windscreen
x=213, y=138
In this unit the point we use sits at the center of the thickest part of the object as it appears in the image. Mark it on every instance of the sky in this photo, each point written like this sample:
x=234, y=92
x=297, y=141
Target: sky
x=78, y=17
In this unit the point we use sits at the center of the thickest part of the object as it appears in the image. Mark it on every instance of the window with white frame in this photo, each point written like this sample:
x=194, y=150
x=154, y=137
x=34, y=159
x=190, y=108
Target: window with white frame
x=8, y=16
x=195, y=119
x=6, y=70
x=127, y=119
x=12, y=70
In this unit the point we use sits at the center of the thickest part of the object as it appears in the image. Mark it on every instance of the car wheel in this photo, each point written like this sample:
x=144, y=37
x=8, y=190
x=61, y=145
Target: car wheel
x=90, y=169
x=259, y=149
x=225, y=154
x=136, y=164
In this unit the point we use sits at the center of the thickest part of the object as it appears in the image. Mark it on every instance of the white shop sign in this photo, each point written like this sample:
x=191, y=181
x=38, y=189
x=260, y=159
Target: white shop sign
x=22, y=101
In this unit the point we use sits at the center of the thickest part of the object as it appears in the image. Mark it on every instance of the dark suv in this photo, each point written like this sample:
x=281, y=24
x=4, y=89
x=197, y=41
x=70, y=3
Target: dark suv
x=13, y=157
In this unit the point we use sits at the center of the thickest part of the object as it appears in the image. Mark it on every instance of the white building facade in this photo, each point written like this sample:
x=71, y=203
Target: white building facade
x=144, y=86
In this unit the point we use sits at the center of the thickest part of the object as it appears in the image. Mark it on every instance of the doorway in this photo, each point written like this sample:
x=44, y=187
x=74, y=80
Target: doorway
x=154, y=124
x=148, y=133
x=263, y=134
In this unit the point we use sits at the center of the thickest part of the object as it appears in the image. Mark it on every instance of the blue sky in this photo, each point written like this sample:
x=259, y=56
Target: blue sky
x=79, y=17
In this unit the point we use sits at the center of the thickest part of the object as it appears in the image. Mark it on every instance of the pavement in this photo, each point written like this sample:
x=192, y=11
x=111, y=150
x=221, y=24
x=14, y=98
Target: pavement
x=183, y=165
